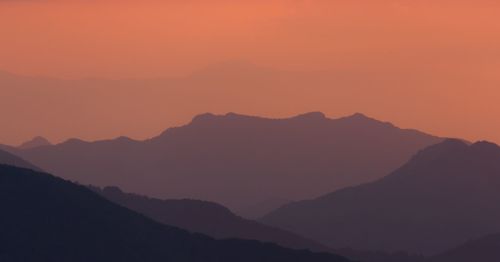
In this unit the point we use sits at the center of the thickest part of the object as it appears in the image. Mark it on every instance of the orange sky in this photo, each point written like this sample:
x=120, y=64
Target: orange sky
x=431, y=65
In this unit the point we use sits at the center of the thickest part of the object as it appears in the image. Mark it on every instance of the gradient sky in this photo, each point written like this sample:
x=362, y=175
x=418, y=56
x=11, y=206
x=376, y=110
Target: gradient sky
x=430, y=65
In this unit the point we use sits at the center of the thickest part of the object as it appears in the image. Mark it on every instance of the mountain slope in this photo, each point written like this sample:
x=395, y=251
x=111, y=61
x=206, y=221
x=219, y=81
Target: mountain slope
x=35, y=142
x=217, y=221
x=240, y=161
x=45, y=218
x=7, y=158
x=207, y=218
x=447, y=194
x=485, y=249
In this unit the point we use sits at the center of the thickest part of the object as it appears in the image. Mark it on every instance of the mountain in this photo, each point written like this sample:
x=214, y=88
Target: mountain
x=219, y=222
x=45, y=218
x=140, y=107
x=35, y=142
x=378, y=256
x=7, y=158
x=240, y=161
x=485, y=249
x=207, y=218
x=445, y=195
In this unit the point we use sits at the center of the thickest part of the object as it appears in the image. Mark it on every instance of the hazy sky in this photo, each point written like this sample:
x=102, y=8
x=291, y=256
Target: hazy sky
x=432, y=65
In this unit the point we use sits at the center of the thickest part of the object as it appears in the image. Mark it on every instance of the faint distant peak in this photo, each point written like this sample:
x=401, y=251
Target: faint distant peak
x=485, y=148
x=311, y=116
x=123, y=139
x=360, y=116
x=483, y=144
x=445, y=148
x=207, y=117
x=362, y=119
x=73, y=141
x=35, y=142
x=235, y=68
x=204, y=117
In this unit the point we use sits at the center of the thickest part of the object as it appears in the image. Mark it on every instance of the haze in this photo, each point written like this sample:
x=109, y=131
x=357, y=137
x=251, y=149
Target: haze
x=429, y=65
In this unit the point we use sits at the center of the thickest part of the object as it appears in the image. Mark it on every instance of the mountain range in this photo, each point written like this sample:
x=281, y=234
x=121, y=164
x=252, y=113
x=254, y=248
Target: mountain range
x=97, y=108
x=239, y=161
x=7, y=158
x=485, y=249
x=444, y=196
x=219, y=222
x=45, y=218
x=35, y=142
x=204, y=217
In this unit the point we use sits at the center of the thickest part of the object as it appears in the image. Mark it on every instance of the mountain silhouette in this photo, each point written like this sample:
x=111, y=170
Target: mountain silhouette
x=219, y=222
x=240, y=161
x=45, y=218
x=7, y=158
x=207, y=218
x=35, y=142
x=378, y=256
x=485, y=249
x=445, y=195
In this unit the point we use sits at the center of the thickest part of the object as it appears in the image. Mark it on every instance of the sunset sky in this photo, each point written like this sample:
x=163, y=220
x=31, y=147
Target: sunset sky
x=430, y=65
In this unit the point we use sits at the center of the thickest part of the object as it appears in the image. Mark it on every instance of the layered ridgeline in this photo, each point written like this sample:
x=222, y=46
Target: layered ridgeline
x=444, y=196
x=219, y=222
x=250, y=164
x=7, y=158
x=45, y=218
x=207, y=218
x=485, y=249
x=35, y=142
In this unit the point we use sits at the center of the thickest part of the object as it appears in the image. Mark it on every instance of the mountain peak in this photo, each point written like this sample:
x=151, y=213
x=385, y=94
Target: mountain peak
x=312, y=115
x=447, y=146
x=359, y=115
x=203, y=117
x=207, y=117
x=485, y=145
x=35, y=142
x=363, y=120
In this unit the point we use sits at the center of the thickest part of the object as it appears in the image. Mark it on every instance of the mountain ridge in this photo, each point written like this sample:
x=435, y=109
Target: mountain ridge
x=440, y=198
x=239, y=161
x=208, y=218
x=45, y=218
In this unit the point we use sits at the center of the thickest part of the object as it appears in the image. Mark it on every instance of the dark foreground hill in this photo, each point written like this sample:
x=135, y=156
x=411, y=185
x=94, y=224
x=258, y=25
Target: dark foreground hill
x=446, y=195
x=485, y=249
x=45, y=218
x=249, y=164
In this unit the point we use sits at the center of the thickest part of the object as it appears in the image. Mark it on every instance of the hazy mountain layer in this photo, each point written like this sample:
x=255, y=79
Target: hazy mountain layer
x=250, y=164
x=446, y=195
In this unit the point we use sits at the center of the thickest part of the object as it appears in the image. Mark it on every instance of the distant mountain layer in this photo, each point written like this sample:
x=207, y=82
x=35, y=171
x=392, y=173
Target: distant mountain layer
x=7, y=158
x=35, y=142
x=486, y=249
x=447, y=194
x=240, y=161
x=219, y=222
x=207, y=218
x=45, y=218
